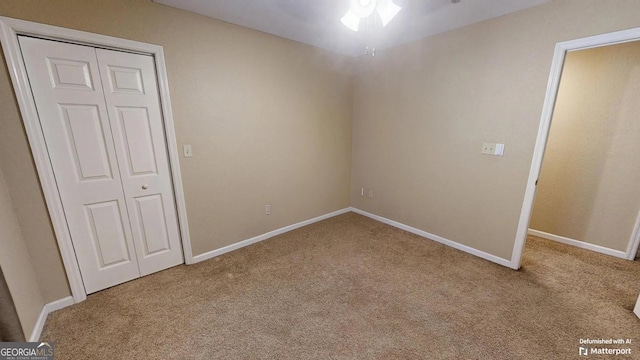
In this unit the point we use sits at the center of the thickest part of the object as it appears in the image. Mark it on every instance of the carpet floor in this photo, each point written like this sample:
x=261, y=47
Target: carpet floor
x=353, y=288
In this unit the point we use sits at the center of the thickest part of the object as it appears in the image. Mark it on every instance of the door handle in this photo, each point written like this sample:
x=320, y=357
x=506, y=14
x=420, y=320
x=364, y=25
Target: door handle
x=145, y=187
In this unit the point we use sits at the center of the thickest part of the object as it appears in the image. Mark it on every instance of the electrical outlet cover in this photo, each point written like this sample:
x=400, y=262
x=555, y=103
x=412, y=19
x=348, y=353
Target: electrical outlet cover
x=488, y=148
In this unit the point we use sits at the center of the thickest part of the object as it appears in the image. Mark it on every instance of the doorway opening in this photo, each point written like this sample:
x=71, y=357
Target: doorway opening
x=578, y=191
x=587, y=194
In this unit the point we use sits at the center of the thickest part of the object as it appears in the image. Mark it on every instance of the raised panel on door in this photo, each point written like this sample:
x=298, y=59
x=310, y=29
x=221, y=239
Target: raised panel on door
x=139, y=148
x=86, y=141
x=108, y=233
x=67, y=88
x=150, y=211
x=131, y=94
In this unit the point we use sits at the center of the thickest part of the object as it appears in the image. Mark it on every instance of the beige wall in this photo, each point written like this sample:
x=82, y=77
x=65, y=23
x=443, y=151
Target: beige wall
x=269, y=121
x=588, y=188
x=23, y=185
x=423, y=110
x=17, y=265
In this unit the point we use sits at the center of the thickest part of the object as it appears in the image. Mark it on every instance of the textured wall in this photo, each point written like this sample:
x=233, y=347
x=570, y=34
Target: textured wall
x=17, y=265
x=588, y=188
x=269, y=121
x=422, y=111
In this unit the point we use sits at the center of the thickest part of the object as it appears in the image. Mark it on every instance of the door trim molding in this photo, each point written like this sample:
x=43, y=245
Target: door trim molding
x=9, y=31
x=553, y=83
x=634, y=243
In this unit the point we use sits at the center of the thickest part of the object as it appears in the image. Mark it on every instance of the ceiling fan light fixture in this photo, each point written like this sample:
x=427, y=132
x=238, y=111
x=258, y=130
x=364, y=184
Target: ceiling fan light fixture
x=363, y=8
x=387, y=11
x=351, y=20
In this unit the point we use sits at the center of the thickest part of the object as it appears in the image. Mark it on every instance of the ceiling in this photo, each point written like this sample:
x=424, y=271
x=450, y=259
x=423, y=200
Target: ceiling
x=318, y=23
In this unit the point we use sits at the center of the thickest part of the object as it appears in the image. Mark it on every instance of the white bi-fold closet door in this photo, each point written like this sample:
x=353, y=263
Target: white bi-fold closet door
x=100, y=116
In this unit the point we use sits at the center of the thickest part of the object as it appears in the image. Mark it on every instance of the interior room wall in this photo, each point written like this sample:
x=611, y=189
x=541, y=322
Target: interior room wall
x=269, y=121
x=275, y=122
x=28, y=200
x=17, y=265
x=423, y=110
x=588, y=187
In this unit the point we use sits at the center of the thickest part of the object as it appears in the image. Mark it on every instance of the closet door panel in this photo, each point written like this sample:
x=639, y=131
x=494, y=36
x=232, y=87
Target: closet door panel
x=68, y=92
x=131, y=93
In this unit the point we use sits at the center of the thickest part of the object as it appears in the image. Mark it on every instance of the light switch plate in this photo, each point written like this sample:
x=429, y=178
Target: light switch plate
x=187, y=151
x=499, y=150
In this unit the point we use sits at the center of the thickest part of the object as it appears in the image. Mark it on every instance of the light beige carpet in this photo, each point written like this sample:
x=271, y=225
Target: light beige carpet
x=353, y=288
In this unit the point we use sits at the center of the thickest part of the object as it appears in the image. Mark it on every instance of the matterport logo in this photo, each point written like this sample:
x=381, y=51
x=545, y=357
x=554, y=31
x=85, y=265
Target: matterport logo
x=616, y=347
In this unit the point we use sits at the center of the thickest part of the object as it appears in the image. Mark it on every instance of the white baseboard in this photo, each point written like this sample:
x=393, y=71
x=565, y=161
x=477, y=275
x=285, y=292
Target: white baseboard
x=453, y=244
x=253, y=240
x=578, y=243
x=46, y=310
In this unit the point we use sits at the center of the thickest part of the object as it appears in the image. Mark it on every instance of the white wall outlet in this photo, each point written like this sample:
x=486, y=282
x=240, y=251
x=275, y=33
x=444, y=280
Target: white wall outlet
x=370, y=193
x=499, y=150
x=488, y=148
x=186, y=149
x=267, y=209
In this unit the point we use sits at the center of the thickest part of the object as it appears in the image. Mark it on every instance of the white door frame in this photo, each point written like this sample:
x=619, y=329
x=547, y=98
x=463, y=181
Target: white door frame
x=559, y=54
x=9, y=31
